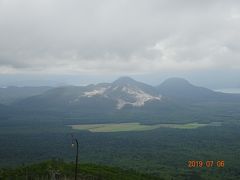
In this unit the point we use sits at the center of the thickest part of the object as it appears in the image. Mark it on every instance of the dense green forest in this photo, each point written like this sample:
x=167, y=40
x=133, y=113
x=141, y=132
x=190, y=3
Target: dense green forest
x=162, y=152
x=58, y=169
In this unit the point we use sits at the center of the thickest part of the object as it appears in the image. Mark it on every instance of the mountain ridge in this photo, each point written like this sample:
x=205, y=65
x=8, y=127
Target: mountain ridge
x=123, y=92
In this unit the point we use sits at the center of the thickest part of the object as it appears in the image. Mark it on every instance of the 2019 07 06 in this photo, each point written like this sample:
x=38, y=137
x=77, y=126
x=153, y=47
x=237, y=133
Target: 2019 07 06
x=208, y=163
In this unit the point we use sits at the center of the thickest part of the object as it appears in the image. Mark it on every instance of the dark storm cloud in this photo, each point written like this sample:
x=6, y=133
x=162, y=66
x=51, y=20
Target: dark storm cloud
x=118, y=36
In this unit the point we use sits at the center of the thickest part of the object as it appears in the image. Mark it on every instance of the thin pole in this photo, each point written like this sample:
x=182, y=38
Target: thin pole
x=76, y=165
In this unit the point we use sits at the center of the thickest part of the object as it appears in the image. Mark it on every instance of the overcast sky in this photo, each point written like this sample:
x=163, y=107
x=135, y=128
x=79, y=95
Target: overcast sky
x=97, y=40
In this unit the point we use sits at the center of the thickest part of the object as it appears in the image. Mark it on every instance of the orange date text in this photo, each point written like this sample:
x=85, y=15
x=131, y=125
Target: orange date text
x=208, y=163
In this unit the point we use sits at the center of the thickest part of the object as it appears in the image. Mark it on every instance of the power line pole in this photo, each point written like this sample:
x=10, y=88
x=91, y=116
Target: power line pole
x=75, y=141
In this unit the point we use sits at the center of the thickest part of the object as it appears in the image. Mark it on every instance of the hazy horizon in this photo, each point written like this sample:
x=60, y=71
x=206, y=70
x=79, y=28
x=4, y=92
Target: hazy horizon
x=79, y=81
x=83, y=42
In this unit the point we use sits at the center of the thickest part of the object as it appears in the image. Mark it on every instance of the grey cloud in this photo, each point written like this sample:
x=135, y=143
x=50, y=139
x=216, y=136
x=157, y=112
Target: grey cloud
x=118, y=36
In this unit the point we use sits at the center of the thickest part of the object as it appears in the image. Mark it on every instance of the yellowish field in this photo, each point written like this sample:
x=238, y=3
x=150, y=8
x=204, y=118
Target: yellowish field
x=119, y=127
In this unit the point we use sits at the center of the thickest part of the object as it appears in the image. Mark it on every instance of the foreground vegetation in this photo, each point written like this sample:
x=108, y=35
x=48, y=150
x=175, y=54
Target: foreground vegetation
x=162, y=152
x=58, y=169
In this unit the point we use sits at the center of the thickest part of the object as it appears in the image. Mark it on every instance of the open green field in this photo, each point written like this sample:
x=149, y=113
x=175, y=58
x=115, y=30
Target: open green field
x=120, y=127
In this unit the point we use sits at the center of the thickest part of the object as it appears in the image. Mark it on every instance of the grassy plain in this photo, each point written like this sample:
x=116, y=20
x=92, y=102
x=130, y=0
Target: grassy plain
x=120, y=127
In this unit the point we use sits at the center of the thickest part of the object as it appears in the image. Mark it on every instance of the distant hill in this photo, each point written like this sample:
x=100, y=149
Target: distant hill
x=124, y=92
x=101, y=97
x=4, y=110
x=126, y=99
x=11, y=94
x=181, y=89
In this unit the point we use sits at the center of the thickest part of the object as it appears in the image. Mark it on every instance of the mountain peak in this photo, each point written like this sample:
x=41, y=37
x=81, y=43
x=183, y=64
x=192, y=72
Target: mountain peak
x=181, y=88
x=175, y=81
x=124, y=80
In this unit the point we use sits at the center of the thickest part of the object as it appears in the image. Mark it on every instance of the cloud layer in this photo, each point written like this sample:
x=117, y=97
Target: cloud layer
x=112, y=36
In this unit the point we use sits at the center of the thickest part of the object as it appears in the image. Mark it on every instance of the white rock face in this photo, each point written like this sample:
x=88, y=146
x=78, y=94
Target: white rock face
x=140, y=97
x=121, y=103
x=95, y=92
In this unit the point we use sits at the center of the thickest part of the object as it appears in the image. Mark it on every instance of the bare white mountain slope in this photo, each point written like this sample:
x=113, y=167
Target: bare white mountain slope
x=124, y=91
x=124, y=94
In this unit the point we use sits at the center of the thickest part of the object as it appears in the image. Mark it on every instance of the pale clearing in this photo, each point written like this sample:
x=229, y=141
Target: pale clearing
x=120, y=127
